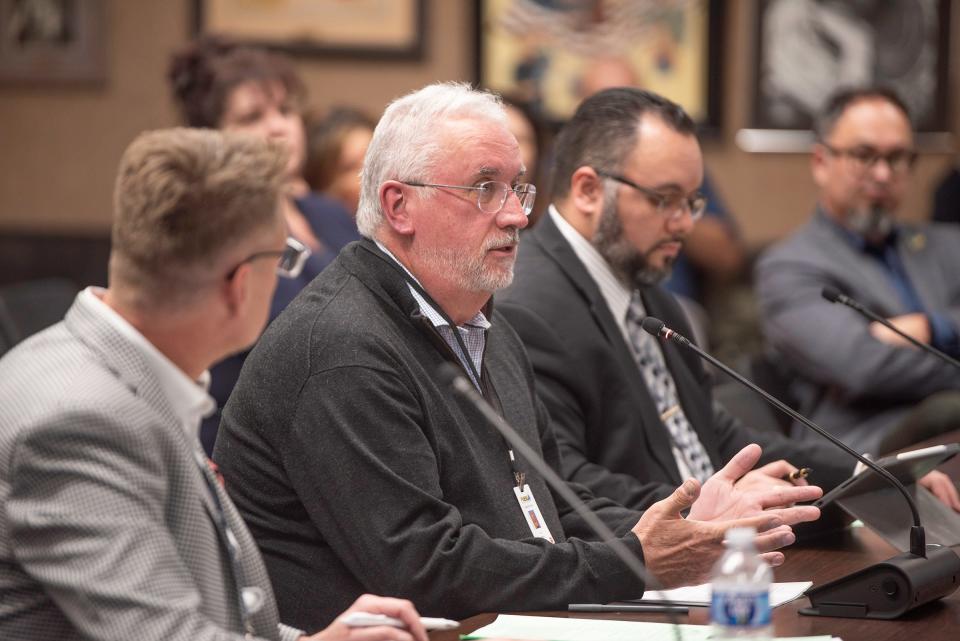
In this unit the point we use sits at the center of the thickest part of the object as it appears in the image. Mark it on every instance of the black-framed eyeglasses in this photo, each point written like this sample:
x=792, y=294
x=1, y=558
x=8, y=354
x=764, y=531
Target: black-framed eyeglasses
x=291, y=259
x=900, y=161
x=670, y=205
x=492, y=195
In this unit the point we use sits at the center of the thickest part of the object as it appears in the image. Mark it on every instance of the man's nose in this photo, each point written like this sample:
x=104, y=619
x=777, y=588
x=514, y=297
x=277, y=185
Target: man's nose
x=881, y=170
x=512, y=214
x=681, y=222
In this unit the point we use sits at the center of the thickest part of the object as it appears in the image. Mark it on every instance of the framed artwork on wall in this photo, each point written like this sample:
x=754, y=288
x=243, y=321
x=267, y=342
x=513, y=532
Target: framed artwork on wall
x=52, y=41
x=807, y=49
x=374, y=29
x=550, y=54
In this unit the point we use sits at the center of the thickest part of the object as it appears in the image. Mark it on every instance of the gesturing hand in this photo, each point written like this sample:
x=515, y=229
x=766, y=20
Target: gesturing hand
x=682, y=551
x=722, y=499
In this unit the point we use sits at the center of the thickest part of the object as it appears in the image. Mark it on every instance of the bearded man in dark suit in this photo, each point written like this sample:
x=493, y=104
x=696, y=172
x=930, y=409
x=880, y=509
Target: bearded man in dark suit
x=633, y=416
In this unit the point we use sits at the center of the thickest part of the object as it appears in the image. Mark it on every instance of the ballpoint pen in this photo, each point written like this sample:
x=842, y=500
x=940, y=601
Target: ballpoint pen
x=802, y=473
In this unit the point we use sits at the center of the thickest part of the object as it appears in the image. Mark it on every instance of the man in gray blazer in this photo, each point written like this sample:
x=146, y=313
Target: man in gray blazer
x=856, y=377
x=112, y=525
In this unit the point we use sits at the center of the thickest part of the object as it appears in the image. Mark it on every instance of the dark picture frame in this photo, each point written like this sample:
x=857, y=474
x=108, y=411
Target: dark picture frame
x=59, y=42
x=360, y=29
x=700, y=46
x=806, y=50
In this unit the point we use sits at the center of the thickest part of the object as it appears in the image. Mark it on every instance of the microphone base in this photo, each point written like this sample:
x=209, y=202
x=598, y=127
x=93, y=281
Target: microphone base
x=890, y=589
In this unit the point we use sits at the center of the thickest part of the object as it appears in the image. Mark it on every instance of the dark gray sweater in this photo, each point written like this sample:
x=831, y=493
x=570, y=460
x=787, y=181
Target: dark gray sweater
x=357, y=470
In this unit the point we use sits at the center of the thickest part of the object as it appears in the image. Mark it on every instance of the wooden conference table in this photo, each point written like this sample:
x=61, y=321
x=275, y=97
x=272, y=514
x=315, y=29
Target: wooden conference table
x=831, y=559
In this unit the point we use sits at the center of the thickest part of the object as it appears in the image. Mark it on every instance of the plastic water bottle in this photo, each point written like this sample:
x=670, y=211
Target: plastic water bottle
x=740, y=602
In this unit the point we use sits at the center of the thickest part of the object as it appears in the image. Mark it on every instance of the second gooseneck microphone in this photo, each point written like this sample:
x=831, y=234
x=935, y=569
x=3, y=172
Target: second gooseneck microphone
x=658, y=328
x=835, y=296
x=884, y=590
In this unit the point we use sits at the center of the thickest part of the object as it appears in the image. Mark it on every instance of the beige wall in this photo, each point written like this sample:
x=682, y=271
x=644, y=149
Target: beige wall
x=59, y=147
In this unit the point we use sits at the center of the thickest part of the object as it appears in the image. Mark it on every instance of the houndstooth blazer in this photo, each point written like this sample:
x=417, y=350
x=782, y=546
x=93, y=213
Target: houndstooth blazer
x=108, y=529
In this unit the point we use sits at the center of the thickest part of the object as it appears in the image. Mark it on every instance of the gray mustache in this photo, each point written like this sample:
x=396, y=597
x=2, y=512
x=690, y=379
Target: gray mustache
x=510, y=238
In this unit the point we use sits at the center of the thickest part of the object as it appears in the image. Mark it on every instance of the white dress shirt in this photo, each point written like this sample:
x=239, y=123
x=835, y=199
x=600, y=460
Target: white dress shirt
x=614, y=292
x=188, y=398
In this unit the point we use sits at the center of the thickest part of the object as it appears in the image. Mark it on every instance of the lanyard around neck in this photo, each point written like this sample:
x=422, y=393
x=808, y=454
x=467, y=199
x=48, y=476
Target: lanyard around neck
x=466, y=362
x=227, y=538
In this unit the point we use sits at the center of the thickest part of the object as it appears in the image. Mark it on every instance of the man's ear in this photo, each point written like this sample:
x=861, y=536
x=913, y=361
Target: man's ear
x=393, y=204
x=236, y=289
x=818, y=164
x=586, y=192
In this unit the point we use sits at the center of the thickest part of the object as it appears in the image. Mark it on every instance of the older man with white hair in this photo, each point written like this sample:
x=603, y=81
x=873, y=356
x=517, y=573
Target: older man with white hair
x=355, y=465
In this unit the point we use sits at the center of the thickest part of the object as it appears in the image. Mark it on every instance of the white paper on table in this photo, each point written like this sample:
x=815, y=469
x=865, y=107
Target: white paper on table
x=780, y=593
x=528, y=628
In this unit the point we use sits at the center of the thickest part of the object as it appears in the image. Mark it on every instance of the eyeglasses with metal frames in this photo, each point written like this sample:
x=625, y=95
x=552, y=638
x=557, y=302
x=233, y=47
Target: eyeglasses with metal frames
x=900, y=161
x=291, y=259
x=492, y=195
x=672, y=205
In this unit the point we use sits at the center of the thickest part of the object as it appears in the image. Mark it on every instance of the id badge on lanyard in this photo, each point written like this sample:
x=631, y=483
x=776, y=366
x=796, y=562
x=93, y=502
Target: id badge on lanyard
x=531, y=513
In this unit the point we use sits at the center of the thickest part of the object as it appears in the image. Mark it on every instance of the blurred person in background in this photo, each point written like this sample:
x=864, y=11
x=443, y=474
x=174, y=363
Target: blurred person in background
x=532, y=136
x=870, y=386
x=220, y=85
x=336, y=143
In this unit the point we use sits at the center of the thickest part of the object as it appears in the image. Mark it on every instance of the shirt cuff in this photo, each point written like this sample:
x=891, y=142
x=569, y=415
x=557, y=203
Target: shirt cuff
x=943, y=334
x=288, y=633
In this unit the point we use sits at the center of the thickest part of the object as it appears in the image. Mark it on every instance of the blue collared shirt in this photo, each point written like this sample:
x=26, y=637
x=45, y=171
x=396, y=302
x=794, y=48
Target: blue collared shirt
x=944, y=335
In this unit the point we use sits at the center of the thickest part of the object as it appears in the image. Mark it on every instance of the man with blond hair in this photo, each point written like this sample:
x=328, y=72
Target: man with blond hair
x=340, y=418
x=112, y=526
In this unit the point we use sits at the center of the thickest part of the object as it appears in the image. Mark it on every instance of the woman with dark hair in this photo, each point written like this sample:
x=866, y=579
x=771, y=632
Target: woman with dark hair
x=218, y=84
x=221, y=85
x=336, y=145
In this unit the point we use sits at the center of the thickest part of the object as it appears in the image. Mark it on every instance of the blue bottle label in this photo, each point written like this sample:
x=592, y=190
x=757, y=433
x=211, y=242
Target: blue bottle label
x=739, y=608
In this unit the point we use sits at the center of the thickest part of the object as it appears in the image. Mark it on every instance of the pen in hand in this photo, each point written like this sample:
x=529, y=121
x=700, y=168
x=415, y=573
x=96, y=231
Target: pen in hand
x=368, y=620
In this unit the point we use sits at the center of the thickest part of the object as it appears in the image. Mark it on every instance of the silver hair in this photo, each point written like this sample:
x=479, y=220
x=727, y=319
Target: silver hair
x=406, y=144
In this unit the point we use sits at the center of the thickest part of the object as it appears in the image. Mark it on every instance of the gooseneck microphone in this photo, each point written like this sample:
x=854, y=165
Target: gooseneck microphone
x=453, y=376
x=656, y=327
x=885, y=590
x=835, y=296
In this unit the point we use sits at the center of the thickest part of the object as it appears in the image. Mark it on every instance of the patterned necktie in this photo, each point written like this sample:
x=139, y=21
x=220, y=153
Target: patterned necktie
x=660, y=383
